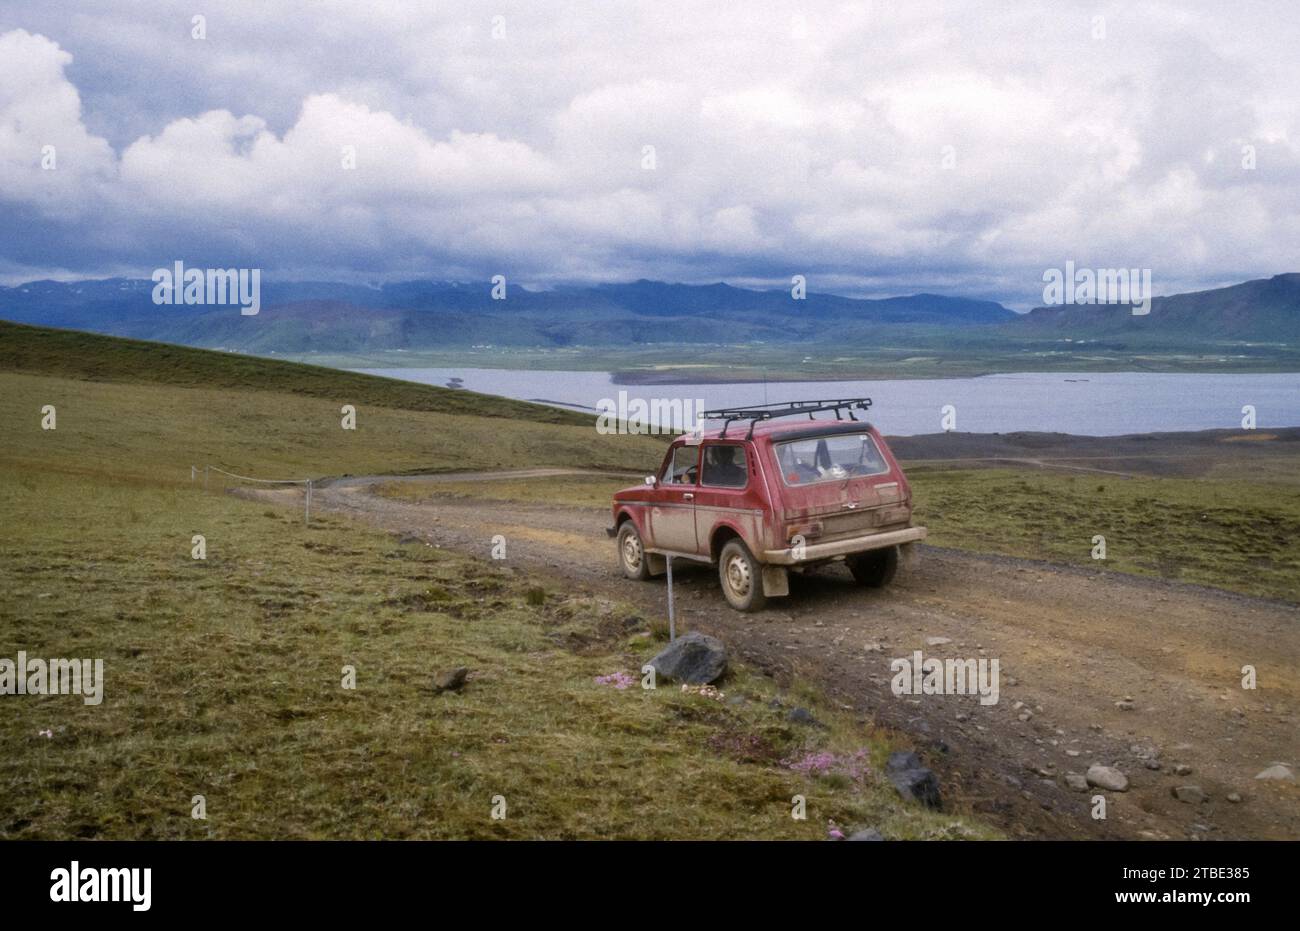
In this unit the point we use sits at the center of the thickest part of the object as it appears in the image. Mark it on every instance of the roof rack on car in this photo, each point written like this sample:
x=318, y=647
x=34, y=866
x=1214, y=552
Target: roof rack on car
x=760, y=412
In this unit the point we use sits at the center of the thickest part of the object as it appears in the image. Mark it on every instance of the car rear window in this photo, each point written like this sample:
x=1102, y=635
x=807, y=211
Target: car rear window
x=829, y=458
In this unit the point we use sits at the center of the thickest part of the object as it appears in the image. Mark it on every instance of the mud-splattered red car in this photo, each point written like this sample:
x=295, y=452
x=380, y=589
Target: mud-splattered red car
x=762, y=495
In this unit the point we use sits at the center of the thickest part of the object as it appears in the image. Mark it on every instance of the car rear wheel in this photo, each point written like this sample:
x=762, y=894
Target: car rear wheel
x=874, y=569
x=741, y=577
x=631, y=553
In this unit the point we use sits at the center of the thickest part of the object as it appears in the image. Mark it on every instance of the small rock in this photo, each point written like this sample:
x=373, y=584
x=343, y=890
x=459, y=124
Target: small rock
x=1076, y=781
x=866, y=834
x=803, y=716
x=1192, y=795
x=1277, y=771
x=919, y=785
x=1125, y=705
x=450, y=680
x=1182, y=769
x=937, y=641
x=1107, y=777
x=696, y=659
x=873, y=648
x=1234, y=797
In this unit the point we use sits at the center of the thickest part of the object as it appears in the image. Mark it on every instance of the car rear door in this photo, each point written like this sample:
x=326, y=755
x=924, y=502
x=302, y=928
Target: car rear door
x=727, y=493
x=825, y=508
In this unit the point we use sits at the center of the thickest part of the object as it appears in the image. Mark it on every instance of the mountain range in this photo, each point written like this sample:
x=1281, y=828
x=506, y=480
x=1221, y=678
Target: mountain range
x=300, y=317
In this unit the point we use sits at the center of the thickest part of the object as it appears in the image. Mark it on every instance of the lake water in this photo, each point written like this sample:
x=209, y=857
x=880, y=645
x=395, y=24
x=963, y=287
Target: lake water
x=1090, y=403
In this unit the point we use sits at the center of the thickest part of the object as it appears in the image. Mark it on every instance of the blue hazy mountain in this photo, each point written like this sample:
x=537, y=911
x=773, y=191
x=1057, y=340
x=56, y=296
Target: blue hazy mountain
x=326, y=316
x=413, y=315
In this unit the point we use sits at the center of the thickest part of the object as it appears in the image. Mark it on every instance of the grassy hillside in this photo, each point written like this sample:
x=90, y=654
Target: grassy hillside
x=89, y=356
x=224, y=676
x=139, y=409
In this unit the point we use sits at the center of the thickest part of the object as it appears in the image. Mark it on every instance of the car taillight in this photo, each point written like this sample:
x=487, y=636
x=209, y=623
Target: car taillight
x=895, y=515
x=806, y=530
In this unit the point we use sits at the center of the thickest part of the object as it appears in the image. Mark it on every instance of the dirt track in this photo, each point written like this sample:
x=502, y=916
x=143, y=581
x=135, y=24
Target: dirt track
x=1071, y=642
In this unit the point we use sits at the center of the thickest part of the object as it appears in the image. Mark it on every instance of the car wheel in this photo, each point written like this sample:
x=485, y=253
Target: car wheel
x=741, y=577
x=874, y=569
x=631, y=553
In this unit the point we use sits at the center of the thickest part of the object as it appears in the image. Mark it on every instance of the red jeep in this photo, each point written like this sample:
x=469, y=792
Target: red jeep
x=759, y=497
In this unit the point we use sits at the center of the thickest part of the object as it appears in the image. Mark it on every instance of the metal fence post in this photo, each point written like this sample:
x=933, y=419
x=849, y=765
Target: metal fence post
x=672, y=620
x=306, y=517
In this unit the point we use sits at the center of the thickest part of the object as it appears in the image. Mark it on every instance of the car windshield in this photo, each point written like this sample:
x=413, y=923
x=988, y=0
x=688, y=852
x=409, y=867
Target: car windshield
x=829, y=458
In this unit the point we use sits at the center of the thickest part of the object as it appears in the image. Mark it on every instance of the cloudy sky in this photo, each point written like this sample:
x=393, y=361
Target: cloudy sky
x=877, y=148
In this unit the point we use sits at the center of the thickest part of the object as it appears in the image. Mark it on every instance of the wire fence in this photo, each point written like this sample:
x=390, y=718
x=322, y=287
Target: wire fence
x=208, y=469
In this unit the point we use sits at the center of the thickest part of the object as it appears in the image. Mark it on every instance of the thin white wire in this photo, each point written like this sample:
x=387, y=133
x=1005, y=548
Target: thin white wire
x=264, y=481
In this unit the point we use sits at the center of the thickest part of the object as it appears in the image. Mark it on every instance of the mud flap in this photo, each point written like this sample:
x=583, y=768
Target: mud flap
x=776, y=581
x=657, y=564
x=908, y=557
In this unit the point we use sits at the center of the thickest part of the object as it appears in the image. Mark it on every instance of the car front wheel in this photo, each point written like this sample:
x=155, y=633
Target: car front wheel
x=741, y=577
x=874, y=569
x=631, y=553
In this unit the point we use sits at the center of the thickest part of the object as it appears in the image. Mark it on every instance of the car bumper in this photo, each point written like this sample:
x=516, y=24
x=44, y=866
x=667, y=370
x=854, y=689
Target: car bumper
x=818, y=551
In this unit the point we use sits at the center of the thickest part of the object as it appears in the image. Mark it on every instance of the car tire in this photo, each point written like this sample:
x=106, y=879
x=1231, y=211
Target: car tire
x=631, y=553
x=874, y=569
x=741, y=577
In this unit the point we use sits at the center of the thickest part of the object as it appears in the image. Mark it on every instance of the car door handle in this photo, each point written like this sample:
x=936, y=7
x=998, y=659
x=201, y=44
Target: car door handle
x=689, y=496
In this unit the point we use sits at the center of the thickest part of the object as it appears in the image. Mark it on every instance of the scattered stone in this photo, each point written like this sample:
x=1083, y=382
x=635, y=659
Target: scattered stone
x=866, y=834
x=912, y=780
x=1278, y=771
x=408, y=538
x=633, y=622
x=803, y=716
x=1192, y=795
x=874, y=648
x=1182, y=769
x=1107, y=777
x=450, y=680
x=937, y=641
x=962, y=716
x=1076, y=781
x=1125, y=705
x=1151, y=764
x=696, y=659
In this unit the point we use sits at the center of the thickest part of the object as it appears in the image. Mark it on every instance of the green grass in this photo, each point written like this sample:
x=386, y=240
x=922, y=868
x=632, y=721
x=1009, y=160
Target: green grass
x=1238, y=534
x=91, y=357
x=223, y=679
x=159, y=431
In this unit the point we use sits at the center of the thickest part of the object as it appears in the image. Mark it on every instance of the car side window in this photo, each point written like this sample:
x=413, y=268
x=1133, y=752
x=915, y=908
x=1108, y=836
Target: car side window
x=725, y=466
x=684, y=467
